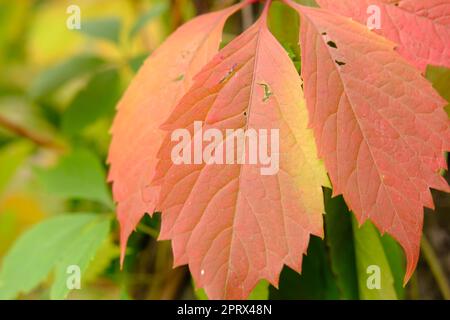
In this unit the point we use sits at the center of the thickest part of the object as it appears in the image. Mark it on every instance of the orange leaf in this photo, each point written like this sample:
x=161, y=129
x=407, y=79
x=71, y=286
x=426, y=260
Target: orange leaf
x=379, y=125
x=136, y=137
x=231, y=223
x=421, y=28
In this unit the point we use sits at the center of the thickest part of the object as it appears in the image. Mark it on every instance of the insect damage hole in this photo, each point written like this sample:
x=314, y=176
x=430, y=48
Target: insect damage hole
x=229, y=74
x=332, y=44
x=179, y=78
x=267, y=92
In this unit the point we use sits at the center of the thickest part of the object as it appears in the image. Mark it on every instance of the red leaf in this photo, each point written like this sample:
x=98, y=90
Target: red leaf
x=136, y=137
x=421, y=28
x=231, y=224
x=379, y=125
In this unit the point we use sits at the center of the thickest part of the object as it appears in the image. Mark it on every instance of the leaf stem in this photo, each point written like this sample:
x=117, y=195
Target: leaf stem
x=435, y=267
x=247, y=17
x=25, y=133
x=149, y=231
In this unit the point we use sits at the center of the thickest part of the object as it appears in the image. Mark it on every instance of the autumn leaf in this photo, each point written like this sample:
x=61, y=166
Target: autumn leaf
x=379, y=125
x=420, y=28
x=230, y=223
x=136, y=137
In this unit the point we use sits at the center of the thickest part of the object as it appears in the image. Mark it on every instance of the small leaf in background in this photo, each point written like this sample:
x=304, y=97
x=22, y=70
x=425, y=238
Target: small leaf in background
x=316, y=280
x=260, y=292
x=151, y=14
x=339, y=239
x=200, y=293
x=97, y=99
x=396, y=259
x=369, y=251
x=55, y=77
x=286, y=33
x=53, y=243
x=309, y=3
x=439, y=77
x=78, y=175
x=18, y=212
x=107, y=252
x=137, y=61
x=107, y=28
x=79, y=253
x=19, y=112
x=11, y=157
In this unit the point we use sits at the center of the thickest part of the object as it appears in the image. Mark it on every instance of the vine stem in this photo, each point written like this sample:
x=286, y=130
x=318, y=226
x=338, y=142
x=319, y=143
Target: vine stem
x=435, y=267
x=149, y=231
x=247, y=17
x=25, y=133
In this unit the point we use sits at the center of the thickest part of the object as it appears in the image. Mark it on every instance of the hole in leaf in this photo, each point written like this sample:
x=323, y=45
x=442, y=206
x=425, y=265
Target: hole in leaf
x=332, y=44
x=267, y=92
x=229, y=74
x=179, y=78
x=340, y=63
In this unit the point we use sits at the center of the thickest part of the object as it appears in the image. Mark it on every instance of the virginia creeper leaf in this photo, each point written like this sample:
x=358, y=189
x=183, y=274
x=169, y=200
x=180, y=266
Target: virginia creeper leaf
x=231, y=224
x=379, y=125
x=420, y=28
x=136, y=137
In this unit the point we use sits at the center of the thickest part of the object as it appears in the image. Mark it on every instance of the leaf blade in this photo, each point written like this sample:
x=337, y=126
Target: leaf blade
x=132, y=154
x=38, y=250
x=358, y=130
x=418, y=27
x=228, y=94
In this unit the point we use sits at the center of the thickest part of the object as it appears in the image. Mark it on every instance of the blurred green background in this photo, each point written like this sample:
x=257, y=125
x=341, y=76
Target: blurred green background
x=58, y=91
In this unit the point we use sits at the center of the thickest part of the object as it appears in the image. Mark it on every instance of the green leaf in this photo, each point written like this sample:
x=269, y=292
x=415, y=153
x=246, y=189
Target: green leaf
x=97, y=99
x=439, y=78
x=151, y=14
x=200, y=293
x=108, y=252
x=396, y=259
x=316, y=281
x=339, y=239
x=286, y=33
x=260, y=292
x=49, y=245
x=55, y=77
x=79, y=253
x=11, y=157
x=369, y=251
x=137, y=61
x=78, y=175
x=107, y=28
